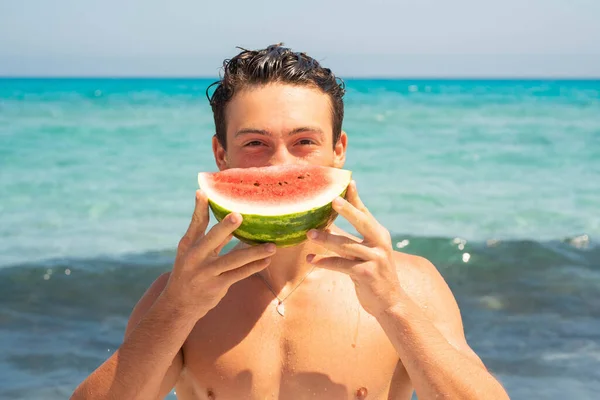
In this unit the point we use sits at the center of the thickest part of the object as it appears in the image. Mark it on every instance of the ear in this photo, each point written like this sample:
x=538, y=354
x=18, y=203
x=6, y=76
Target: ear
x=219, y=153
x=339, y=151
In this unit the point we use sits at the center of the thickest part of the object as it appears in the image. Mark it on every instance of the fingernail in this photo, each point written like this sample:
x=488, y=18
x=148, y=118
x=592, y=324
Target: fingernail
x=313, y=234
x=309, y=258
x=234, y=219
x=353, y=183
x=337, y=201
x=270, y=247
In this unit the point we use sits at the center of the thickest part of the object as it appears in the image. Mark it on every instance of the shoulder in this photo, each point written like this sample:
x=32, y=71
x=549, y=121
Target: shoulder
x=147, y=300
x=419, y=276
x=426, y=287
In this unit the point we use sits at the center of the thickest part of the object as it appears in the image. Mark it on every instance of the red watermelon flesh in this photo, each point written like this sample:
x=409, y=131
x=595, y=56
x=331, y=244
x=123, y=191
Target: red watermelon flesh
x=274, y=190
x=275, y=185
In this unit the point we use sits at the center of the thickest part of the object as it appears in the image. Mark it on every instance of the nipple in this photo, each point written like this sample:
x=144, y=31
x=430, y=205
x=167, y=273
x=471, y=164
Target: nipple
x=361, y=393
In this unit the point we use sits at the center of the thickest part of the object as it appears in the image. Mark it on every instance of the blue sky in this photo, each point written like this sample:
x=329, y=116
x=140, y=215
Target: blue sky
x=358, y=38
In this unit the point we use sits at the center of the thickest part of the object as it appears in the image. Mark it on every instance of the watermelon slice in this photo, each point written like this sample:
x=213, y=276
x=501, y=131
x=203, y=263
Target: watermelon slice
x=279, y=204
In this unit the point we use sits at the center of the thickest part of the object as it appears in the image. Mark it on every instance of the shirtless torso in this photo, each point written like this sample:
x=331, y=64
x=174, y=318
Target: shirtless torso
x=243, y=349
x=325, y=347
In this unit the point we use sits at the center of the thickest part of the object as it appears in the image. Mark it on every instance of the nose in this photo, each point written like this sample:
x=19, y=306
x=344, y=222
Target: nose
x=282, y=156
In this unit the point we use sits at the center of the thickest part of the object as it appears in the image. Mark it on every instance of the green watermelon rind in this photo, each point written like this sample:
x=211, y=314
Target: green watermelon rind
x=282, y=230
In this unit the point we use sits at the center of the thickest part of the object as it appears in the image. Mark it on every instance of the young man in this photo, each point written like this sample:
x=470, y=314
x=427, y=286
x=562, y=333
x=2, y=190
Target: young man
x=361, y=320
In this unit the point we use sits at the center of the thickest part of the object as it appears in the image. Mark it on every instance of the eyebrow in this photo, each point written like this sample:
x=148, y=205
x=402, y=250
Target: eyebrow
x=295, y=131
x=305, y=129
x=246, y=131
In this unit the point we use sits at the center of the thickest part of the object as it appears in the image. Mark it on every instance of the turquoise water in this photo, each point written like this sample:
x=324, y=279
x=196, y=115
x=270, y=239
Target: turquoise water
x=480, y=160
x=97, y=178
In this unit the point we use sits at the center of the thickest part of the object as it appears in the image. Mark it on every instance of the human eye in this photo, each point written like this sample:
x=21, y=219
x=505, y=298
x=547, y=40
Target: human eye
x=306, y=142
x=254, y=143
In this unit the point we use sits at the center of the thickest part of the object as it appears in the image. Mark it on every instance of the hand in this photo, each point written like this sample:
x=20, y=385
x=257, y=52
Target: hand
x=200, y=276
x=369, y=262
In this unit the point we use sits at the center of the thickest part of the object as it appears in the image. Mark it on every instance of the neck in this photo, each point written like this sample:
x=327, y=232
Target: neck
x=288, y=266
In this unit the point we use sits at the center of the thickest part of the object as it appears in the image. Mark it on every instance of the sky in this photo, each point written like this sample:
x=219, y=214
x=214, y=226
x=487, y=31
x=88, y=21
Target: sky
x=412, y=38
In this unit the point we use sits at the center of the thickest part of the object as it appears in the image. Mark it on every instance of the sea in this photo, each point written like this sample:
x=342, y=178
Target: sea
x=497, y=182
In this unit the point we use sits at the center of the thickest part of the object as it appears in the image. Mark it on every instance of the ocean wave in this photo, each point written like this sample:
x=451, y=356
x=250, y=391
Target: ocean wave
x=518, y=276
x=531, y=310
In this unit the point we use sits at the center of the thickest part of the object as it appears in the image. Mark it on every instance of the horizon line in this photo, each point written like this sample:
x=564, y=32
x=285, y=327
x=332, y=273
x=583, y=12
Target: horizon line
x=348, y=77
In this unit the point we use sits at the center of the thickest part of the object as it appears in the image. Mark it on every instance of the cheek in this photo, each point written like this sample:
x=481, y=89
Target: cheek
x=310, y=153
x=318, y=156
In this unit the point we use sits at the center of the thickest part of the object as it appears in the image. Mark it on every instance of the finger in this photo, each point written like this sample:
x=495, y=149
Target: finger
x=220, y=248
x=245, y=271
x=366, y=225
x=240, y=257
x=198, y=223
x=354, y=199
x=339, y=244
x=339, y=264
x=218, y=233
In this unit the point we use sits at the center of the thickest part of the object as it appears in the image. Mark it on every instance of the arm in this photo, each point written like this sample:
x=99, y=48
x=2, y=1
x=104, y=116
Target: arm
x=426, y=331
x=148, y=363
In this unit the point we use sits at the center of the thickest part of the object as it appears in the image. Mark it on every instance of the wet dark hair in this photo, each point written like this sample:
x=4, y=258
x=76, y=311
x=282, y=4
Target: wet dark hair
x=275, y=64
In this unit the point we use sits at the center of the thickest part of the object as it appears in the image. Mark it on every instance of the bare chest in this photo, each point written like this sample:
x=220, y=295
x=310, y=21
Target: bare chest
x=325, y=347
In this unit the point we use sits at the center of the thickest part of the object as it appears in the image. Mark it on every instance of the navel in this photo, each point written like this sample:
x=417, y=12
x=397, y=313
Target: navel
x=210, y=394
x=361, y=393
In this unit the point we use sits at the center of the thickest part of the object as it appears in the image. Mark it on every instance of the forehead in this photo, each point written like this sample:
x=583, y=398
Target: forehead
x=279, y=107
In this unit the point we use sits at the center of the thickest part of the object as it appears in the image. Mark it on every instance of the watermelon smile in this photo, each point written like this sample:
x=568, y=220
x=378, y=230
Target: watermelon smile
x=279, y=204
